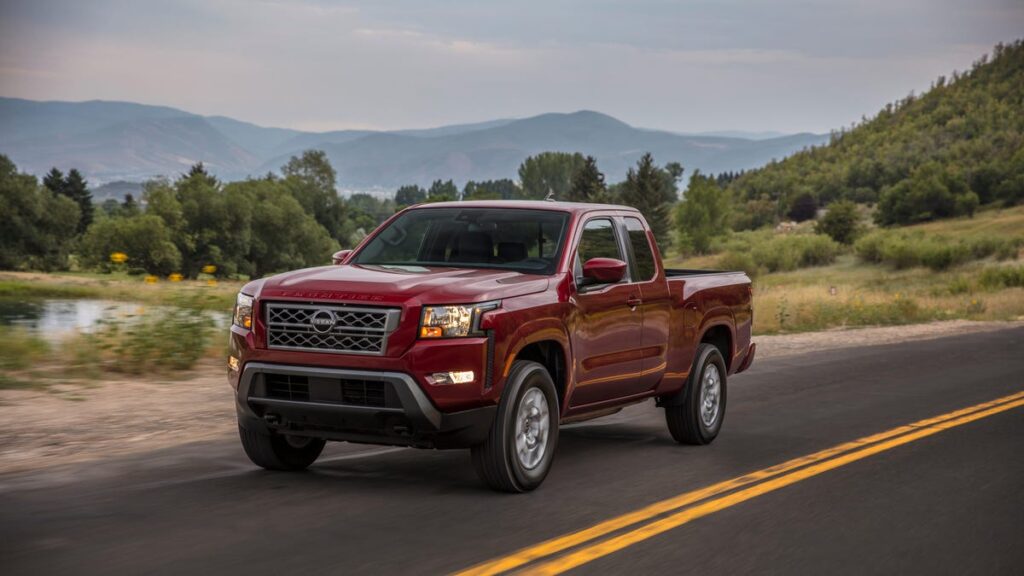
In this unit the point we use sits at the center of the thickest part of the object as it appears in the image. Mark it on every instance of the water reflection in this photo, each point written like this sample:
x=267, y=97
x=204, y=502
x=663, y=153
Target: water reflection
x=55, y=319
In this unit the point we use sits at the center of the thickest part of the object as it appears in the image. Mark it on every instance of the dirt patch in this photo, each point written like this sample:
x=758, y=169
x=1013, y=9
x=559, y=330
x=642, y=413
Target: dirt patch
x=69, y=423
x=122, y=415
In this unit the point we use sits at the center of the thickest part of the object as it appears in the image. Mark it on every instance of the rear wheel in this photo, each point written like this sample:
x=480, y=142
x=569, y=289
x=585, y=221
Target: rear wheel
x=698, y=418
x=518, y=451
x=278, y=451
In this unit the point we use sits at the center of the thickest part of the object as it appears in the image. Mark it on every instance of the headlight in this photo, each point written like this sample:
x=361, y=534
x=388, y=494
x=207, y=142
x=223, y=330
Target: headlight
x=453, y=321
x=243, y=311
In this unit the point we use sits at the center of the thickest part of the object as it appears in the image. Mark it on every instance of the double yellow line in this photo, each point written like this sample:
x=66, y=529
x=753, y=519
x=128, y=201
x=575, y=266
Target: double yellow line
x=611, y=535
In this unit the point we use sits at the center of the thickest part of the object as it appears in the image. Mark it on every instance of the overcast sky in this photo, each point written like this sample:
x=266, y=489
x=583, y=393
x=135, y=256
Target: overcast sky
x=784, y=65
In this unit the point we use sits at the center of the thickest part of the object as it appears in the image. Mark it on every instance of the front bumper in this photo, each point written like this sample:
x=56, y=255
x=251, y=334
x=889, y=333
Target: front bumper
x=366, y=406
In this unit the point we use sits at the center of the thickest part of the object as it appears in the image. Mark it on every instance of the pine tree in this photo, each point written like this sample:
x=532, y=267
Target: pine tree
x=54, y=181
x=129, y=207
x=76, y=188
x=648, y=188
x=587, y=183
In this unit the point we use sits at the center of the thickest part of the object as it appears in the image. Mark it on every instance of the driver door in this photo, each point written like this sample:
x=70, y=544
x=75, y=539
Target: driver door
x=607, y=330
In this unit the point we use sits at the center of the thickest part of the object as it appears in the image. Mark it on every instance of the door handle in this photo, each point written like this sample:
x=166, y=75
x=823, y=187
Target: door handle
x=634, y=301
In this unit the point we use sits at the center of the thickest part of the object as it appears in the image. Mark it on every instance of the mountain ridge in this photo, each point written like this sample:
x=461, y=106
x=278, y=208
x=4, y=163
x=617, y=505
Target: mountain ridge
x=111, y=140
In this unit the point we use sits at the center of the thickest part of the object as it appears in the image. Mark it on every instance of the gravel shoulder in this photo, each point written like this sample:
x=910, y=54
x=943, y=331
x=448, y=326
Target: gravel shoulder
x=123, y=415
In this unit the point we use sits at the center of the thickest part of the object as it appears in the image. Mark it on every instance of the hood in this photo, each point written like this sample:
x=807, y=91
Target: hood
x=401, y=284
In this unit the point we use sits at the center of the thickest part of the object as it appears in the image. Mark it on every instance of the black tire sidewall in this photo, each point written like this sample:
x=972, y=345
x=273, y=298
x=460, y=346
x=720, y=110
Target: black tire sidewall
x=709, y=355
x=530, y=375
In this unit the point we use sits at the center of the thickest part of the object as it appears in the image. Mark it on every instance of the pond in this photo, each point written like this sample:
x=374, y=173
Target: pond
x=54, y=319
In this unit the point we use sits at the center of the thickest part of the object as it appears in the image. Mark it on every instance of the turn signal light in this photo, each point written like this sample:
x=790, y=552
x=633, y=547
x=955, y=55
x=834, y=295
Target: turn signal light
x=431, y=332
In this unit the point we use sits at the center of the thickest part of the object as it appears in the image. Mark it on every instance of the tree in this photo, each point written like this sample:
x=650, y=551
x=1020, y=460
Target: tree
x=587, y=183
x=129, y=207
x=76, y=188
x=145, y=238
x=54, y=181
x=841, y=222
x=311, y=180
x=647, y=188
x=443, y=191
x=474, y=191
x=288, y=237
x=932, y=191
x=702, y=215
x=38, y=224
x=549, y=173
x=503, y=189
x=803, y=207
x=409, y=195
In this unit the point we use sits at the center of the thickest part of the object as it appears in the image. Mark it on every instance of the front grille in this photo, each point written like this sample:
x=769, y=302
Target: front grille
x=288, y=387
x=350, y=392
x=329, y=328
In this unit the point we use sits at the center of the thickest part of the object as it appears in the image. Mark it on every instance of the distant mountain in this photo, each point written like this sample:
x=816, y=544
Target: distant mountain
x=765, y=135
x=110, y=141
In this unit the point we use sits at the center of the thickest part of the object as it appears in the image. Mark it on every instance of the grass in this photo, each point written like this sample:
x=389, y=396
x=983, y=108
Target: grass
x=193, y=294
x=162, y=340
x=21, y=349
x=851, y=292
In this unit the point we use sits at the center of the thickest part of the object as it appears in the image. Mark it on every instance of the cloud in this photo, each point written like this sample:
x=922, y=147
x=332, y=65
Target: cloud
x=701, y=65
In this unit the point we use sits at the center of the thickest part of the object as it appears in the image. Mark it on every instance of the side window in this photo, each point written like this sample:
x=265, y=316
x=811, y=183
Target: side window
x=644, y=268
x=598, y=241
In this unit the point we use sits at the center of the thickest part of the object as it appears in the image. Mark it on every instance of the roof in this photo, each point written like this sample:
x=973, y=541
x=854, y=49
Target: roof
x=529, y=204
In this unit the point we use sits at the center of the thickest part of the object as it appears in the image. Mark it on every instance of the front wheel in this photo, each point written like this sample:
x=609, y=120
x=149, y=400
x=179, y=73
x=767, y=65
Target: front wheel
x=518, y=451
x=698, y=418
x=278, y=451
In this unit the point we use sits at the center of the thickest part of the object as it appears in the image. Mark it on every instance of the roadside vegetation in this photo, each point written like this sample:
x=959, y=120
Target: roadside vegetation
x=959, y=268
x=909, y=216
x=164, y=340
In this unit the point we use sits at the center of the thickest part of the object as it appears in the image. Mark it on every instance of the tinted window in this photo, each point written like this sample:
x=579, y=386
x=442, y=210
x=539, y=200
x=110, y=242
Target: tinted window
x=598, y=241
x=517, y=239
x=643, y=265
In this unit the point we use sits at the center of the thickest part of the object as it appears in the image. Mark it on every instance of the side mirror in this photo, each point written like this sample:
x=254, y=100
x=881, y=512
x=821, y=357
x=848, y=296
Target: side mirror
x=603, y=271
x=340, y=256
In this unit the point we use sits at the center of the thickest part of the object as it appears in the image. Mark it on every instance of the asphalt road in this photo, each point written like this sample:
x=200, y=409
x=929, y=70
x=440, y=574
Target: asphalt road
x=951, y=501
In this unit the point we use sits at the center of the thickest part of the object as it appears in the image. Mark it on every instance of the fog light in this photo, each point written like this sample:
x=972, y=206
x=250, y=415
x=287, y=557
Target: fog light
x=233, y=363
x=464, y=377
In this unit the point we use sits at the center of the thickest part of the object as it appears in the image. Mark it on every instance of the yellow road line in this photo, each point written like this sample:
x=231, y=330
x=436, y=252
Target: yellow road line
x=600, y=549
x=561, y=543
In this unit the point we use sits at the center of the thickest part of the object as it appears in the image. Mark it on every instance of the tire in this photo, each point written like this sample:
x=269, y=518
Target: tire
x=279, y=452
x=499, y=462
x=688, y=421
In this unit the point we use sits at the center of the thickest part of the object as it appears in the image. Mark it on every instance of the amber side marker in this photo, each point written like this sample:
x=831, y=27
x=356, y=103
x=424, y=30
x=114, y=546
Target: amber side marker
x=623, y=531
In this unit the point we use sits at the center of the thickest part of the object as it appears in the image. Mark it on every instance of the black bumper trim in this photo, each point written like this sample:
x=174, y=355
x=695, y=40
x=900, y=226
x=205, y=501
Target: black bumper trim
x=420, y=422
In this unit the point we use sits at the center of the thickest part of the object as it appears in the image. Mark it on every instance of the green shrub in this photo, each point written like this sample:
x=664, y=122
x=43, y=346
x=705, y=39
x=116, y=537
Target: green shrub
x=21, y=349
x=999, y=277
x=162, y=339
x=739, y=261
x=841, y=222
x=902, y=249
x=784, y=253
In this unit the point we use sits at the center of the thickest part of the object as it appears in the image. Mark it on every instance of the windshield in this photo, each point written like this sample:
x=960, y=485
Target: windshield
x=524, y=240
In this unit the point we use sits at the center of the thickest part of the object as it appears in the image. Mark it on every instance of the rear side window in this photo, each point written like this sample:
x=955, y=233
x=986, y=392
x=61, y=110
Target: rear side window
x=644, y=268
x=598, y=241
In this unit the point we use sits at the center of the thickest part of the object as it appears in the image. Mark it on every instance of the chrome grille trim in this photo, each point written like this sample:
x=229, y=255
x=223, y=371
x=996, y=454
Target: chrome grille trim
x=356, y=329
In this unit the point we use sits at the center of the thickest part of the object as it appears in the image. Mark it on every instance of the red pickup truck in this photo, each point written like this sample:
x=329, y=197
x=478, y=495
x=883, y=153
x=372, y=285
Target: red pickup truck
x=484, y=325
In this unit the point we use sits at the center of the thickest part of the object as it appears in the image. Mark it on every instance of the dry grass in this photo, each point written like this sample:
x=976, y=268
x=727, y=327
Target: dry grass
x=852, y=293
x=219, y=295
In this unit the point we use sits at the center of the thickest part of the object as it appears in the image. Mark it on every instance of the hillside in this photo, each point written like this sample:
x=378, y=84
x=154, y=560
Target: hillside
x=111, y=141
x=939, y=154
